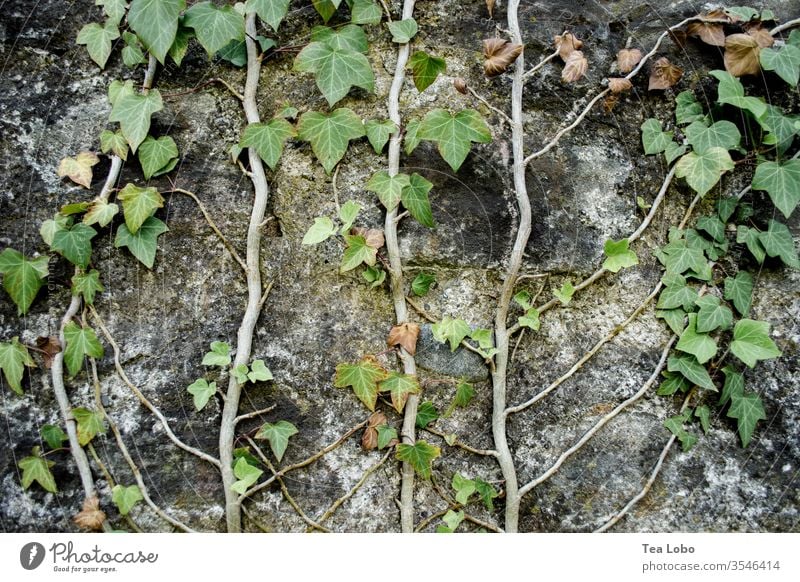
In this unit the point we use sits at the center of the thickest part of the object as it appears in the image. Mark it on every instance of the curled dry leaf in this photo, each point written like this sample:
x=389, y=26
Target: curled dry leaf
x=741, y=55
x=627, y=59
x=79, y=168
x=490, y=7
x=619, y=84
x=678, y=36
x=711, y=33
x=91, y=517
x=404, y=335
x=762, y=36
x=575, y=67
x=369, y=440
x=49, y=346
x=663, y=75
x=609, y=103
x=373, y=236
x=566, y=44
x=498, y=54
x=460, y=85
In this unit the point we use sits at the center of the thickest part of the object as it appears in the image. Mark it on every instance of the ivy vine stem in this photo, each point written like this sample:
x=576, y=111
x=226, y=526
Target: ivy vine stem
x=244, y=339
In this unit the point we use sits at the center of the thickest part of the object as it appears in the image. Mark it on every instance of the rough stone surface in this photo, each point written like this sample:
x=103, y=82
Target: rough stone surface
x=53, y=104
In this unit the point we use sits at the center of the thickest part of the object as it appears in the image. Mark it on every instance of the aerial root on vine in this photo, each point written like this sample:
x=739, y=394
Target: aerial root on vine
x=461, y=445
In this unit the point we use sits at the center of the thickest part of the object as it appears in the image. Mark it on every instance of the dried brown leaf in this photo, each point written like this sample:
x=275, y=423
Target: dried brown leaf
x=741, y=55
x=91, y=517
x=490, y=7
x=49, y=346
x=575, y=67
x=498, y=55
x=376, y=419
x=619, y=84
x=627, y=59
x=79, y=168
x=762, y=36
x=609, y=103
x=460, y=85
x=709, y=32
x=404, y=335
x=566, y=44
x=678, y=36
x=663, y=75
x=373, y=236
x=369, y=440
x=718, y=14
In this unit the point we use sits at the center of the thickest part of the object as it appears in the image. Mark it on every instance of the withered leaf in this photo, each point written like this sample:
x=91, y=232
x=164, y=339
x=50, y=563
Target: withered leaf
x=91, y=517
x=566, y=44
x=678, y=36
x=79, y=168
x=498, y=54
x=627, y=59
x=373, y=236
x=376, y=419
x=609, y=103
x=711, y=33
x=460, y=85
x=575, y=67
x=404, y=335
x=741, y=55
x=369, y=440
x=490, y=7
x=619, y=84
x=49, y=346
x=663, y=75
x=762, y=36
x=717, y=14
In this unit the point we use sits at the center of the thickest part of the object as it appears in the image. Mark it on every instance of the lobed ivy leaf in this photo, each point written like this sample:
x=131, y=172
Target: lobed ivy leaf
x=778, y=242
x=722, y=134
x=142, y=244
x=734, y=384
x=329, y=134
x=321, y=230
x=326, y=8
x=278, y=435
x=114, y=141
x=37, y=468
x=530, y=319
x=386, y=434
x=463, y=487
x=132, y=53
x=126, y=497
x=22, y=277
x=415, y=199
x=781, y=127
x=81, y=342
x=619, y=256
x=679, y=257
x=363, y=377
x=87, y=284
x=348, y=37
x=451, y=330
x=378, y=133
x=90, y=424
x=420, y=455
x=399, y=386
x=411, y=138
x=747, y=409
x=675, y=317
x=14, y=357
x=673, y=383
x=114, y=9
x=336, y=70
x=703, y=170
x=564, y=295
x=220, y=355
x=487, y=492
x=270, y=11
x=739, y=290
x=240, y=373
x=731, y=91
x=202, y=392
x=375, y=276
x=426, y=414
x=751, y=342
x=388, y=188
x=675, y=425
x=654, y=139
x=98, y=39
x=180, y=46
x=357, y=252
x=268, y=139
x=749, y=236
x=691, y=369
x=425, y=69
x=700, y=345
x=347, y=214
x=784, y=61
x=712, y=315
x=454, y=134
x=259, y=372
x=75, y=243
x=246, y=475
x=421, y=284
x=133, y=112
x=155, y=22
x=703, y=412
x=782, y=183
x=365, y=12
x=465, y=392
x=156, y=157
x=713, y=226
x=403, y=30
x=53, y=435
x=687, y=108
x=138, y=204
x=452, y=520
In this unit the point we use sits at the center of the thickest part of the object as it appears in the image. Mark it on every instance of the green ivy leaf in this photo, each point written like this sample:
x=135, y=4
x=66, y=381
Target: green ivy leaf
x=782, y=183
x=703, y=170
x=347, y=214
x=268, y=139
x=673, y=383
x=154, y=156
x=403, y=30
x=420, y=455
x=679, y=257
x=365, y=12
x=375, y=276
x=486, y=492
x=386, y=434
x=452, y=519
x=81, y=342
x=180, y=46
x=399, y=386
x=220, y=355
x=246, y=474
x=778, y=242
x=114, y=141
x=98, y=40
x=22, y=277
x=743, y=13
x=259, y=372
x=704, y=414
x=749, y=236
x=278, y=435
x=712, y=314
x=785, y=62
x=739, y=290
x=713, y=226
x=357, y=252
x=348, y=37
x=378, y=133
x=687, y=108
x=132, y=54
x=451, y=330
x=564, y=295
x=726, y=207
x=37, y=468
x=673, y=152
x=326, y=8
x=138, y=204
x=133, y=112
x=75, y=244
x=321, y=230
x=53, y=436
x=702, y=138
x=143, y=244
x=426, y=414
x=675, y=425
x=734, y=384
x=731, y=92
x=411, y=139
x=751, y=342
x=329, y=134
x=87, y=284
x=336, y=70
x=14, y=357
x=114, y=9
x=422, y=284
x=654, y=139
x=619, y=256
x=363, y=376
x=425, y=69
x=463, y=487
x=747, y=409
x=465, y=392
x=530, y=319
x=90, y=424
x=693, y=371
x=454, y=134
x=415, y=199
x=675, y=317
x=126, y=497
x=270, y=11
x=156, y=24
x=202, y=392
x=388, y=188
x=240, y=373
x=701, y=345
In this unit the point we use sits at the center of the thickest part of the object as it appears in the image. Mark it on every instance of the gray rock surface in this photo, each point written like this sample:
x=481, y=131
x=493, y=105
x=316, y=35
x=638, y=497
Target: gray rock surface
x=53, y=104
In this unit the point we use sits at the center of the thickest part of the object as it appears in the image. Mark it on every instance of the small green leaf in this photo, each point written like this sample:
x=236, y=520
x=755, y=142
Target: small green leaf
x=701, y=345
x=523, y=299
x=687, y=108
x=422, y=284
x=114, y=141
x=388, y=188
x=378, y=133
x=451, y=330
x=726, y=207
x=452, y=519
x=734, y=384
x=326, y=8
x=399, y=386
x=363, y=376
x=268, y=139
x=114, y=9
x=425, y=68
x=278, y=435
x=784, y=61
x=747, y=409
x=75, y=244
x=426, y=414
x=14, y=357
x=347, y=214
x=654, y=139
x=37, y=468
x=101, y=212
x=220, y=355
x=180, y=46
x=214, y=26
x=704, y=414
x=156, y=23
x=712, y=315
x=782, y=183
x=411, y=138
x=564, y=295
x=90, y=424
x=713, y=226
x=335, y=70
x=202, y=392
x=703, y=170
x=739, y=290
x=87, y=284
x=676, y=317
x=403, y=30
x=321, y=230
x=81, y=342
x=270, y=11
x=53, y=436
x=673, y=383
x=143, y=244
x=22, y=277
x=133, y=111
x=486, y=492
x=246, y=474
x=731, y=91
x=357, y=252
x=415, y=199
x=348, y=37
x=693, y=371
x=126, y=497
x=675, y=425
x=781, y=127
x=530, y=319
x=778, y=242
x=680, y=257
x=132, y=54
x=420, y=455
x=240, y=373
x=329, y=134
x=375, y=276
x=702, y=138
x=154, y=156
x=365, y=12
x=743, y=13
x=259, y=372
x=386, y=434
x=138, y=204
x=463, y=487
x=673, y=152
x=465, y=392
x=98, y=40
x=619, y=256
x=751, y=342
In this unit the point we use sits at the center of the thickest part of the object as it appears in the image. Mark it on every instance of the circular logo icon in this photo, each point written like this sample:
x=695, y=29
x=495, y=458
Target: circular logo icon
x=31, y=555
